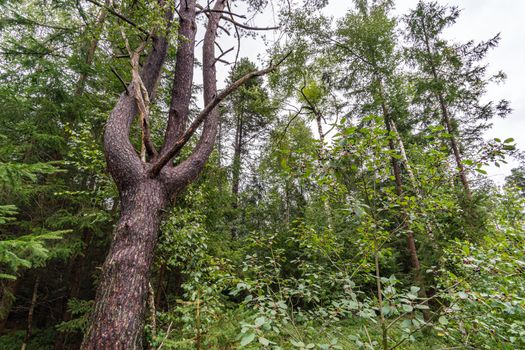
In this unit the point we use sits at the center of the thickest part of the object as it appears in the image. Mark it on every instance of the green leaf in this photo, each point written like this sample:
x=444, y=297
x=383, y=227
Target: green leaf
x=7, y=277
x=260, y=321
x=297, y=344
x=481, y=171
x=443, y=320
x=247, y=339
x=463, y=295
x=264, y=341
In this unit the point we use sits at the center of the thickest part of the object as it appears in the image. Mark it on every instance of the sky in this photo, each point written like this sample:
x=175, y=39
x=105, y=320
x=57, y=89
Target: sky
x=479, y=20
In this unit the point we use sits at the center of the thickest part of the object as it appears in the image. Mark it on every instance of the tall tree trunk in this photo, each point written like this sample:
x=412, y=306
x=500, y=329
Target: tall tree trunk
x=236, y=173
x=160, y=284
x=414, y=260
x=120, y=306
x=322, y=158
x=236, y=166
x=30, y=314
x=412, y=178
x=454, y=146
x=446, y=117
x=406, y=224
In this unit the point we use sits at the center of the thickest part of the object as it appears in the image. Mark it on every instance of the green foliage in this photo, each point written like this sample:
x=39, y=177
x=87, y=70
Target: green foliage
x=80, y=310
x=26, y=251
x=295, y=236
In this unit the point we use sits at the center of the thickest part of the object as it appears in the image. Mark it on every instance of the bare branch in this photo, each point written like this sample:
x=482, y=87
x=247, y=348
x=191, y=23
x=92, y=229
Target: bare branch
x=141, y=97
x=246, y=26
x=120, y=79
x=222, y=55
x=215, y=11
x=123, y=162
x=238, y=41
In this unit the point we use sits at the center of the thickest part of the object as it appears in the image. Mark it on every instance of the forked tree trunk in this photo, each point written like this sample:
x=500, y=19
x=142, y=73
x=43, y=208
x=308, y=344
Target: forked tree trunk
x=146, y=187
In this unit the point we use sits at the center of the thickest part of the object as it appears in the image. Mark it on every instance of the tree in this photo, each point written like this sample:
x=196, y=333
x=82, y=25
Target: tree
x=517, y=178
x=147, y=186
x=368, y=36
x=450, y=76
x=249, y=112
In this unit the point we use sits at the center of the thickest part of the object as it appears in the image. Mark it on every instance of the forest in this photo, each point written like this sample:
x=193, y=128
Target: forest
x=159, y=189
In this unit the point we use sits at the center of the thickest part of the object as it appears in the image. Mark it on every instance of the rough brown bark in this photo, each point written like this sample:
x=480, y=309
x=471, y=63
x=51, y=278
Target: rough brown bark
x=120, y=306
x=183, y=76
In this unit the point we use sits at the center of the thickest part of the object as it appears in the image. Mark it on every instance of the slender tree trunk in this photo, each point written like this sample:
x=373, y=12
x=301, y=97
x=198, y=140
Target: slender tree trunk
x=90, y=51
x=152, y=312
x=160, y=284
x=30, y=314
x=412, y=179
x=414, y=260
x=406, y=225
x=236, y=173
x=454, y=146
x=321, y=158
x=120, y=306
x=236, y=166
x=379, y=290
x=446, y=117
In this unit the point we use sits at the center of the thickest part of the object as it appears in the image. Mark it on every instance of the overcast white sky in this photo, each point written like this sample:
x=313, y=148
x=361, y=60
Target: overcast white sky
x=480, y=20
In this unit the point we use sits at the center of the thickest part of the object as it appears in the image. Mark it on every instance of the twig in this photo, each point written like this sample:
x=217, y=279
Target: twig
x=166, y=336
x=120, y=79
x=223, y=54
x=122, y=17
x=246, y=26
